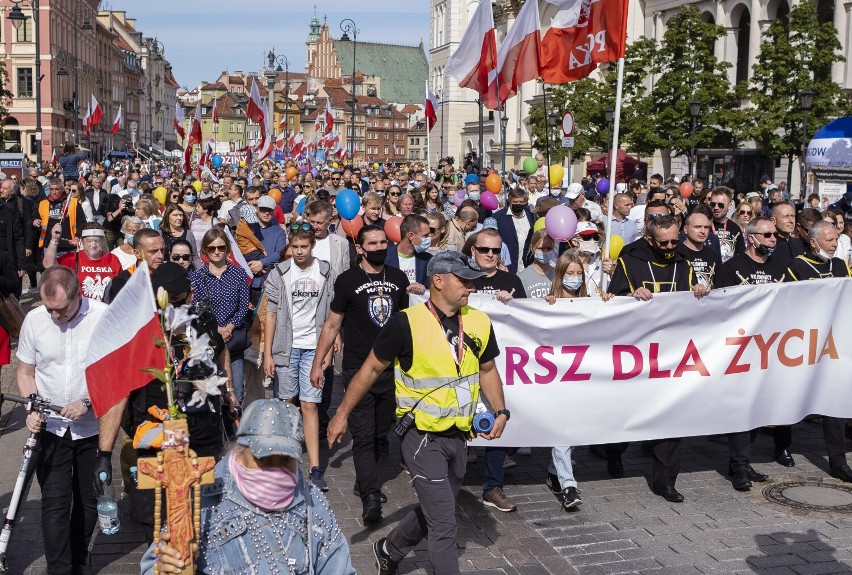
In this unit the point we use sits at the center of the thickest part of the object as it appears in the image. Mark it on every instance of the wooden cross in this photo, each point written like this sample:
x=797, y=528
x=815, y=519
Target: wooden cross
x=181, y=472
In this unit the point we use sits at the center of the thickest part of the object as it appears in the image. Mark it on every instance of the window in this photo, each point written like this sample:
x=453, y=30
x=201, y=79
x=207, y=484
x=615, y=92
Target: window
x=25, y=82
x=292, y=120
x=231, y=127
x=400, y=151
x=387, y=124
x=386, y=150
x=215, y=128
x=239, y=128
x=33, y=144
x=25, y=32
x=203, y=111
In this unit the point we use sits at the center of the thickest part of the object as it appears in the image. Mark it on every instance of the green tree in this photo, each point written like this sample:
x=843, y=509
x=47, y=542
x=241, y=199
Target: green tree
x=796, y=54
x=5, y=95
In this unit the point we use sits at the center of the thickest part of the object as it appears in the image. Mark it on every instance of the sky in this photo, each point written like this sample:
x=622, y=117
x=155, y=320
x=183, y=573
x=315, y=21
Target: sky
x=204, y=37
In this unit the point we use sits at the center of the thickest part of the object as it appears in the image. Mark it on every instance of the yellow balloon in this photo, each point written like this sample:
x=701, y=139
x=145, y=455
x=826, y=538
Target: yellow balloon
x=334, y=165
x=242, y=163
x=376, y=165
x=405, y=169
x=556, y=174
x=616, y=243
x=161, y=193
x=197, y=185
x=538, y=225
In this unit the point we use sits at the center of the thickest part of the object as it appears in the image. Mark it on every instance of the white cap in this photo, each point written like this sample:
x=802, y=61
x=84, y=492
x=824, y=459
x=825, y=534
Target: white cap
x=621, y=187
x=574, y=191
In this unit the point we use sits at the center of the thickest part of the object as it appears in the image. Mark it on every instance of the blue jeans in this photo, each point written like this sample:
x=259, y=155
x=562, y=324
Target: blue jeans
x=295, y=379
x=237, y=373
x=494, y=458
x=561, y=466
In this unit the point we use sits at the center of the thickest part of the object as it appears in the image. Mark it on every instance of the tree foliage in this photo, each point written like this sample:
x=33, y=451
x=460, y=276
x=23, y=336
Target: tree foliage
x=5, y=95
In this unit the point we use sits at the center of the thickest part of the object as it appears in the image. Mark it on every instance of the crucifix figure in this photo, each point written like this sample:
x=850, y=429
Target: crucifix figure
x=181, y=472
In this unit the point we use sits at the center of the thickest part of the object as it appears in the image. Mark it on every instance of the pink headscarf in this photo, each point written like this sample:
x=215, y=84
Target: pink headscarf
x=271, y=489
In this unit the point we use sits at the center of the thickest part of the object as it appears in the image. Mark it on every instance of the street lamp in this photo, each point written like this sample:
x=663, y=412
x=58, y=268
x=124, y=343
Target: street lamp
x=390, y=110
x=275, y=62
x=806, y=101
x=17, y=16
x=552, y=122
x=155, y=50
x=504, y=121
x=694, y=112
x=609, y=114
x=347, y=26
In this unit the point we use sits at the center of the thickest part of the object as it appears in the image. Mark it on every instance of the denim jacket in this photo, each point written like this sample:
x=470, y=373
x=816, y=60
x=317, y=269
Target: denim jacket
x=238, y=538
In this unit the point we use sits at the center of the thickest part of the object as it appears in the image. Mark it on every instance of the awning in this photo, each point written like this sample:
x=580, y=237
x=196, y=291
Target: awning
x=832, y=144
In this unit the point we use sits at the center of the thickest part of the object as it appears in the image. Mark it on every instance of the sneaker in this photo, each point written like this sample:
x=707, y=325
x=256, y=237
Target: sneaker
x=497, y=499
x=383, y=561
x=552, y=483
x=570, y=498
x=316, y=476
x=508, y=463
x=525, y=451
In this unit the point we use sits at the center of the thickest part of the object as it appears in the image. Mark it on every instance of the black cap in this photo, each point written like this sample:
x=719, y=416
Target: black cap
x=171, y=277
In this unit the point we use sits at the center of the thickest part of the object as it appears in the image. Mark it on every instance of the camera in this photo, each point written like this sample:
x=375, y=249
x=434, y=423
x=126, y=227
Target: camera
x=483, y=422
x=127, y=207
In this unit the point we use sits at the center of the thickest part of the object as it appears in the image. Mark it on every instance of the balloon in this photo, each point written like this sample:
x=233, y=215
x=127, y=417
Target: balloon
x=217, y=161
x=560, y=222
x=351, y=227
x=314, y=172
x=348, y=203
x=493, y=183
x=275, y=194
x=164, y=173
x=375, y=165
x=488, y=200
x=242, y=163
x=233, y=166
x=459, y=197
x=602, y=186
x=335, y=165
x=405, y=169
x=197, y=185
x=392, y=230
x=300, y=207
x=686, y=190
x=616, y=243
x=107, y=163
x=303, y=169
x=161, y=193
x=557, y=172
x=530, y=165
x=471, y=179
x=291, y=173
x=538, y=225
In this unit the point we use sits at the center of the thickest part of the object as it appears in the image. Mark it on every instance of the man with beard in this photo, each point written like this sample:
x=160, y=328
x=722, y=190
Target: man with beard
x=646, y=270
x=703, y=259
x=94, y=265
x=729, y=232
x=53, y=210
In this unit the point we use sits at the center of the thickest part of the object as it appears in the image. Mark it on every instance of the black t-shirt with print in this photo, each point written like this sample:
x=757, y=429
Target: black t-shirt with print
x=367, y=302
x=501, y=281
x=742, y=270
x=731, y=238
x=705, y=263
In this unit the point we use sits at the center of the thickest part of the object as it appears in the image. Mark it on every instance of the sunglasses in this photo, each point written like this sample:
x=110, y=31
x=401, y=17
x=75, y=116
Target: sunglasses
x=672, y=243
x=217, y=248
x=654, y=215
x=745, y=213
x=720, y=205
x=765, y=235
x=433, y=230
x=446, y=187
x=305, y=227
x=185, y=257
x=393, y=194
x=484, y=250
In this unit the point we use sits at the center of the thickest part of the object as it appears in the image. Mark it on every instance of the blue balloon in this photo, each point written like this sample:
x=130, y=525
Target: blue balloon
x=300, y=207
x=233, y=166
x=348, y=203
x=471, y=179
x=107, y=163
x=217, y=161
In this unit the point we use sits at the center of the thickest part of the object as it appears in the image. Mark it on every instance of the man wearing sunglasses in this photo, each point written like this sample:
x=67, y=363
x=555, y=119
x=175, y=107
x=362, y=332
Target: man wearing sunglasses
x=335, y=183
x=728, y=231
x=645, y=270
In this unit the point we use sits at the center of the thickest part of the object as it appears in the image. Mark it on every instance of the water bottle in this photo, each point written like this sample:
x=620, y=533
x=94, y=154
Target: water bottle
x=107, y=508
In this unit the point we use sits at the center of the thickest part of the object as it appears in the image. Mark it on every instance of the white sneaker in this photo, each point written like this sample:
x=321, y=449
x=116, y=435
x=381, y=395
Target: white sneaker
x=509, y=462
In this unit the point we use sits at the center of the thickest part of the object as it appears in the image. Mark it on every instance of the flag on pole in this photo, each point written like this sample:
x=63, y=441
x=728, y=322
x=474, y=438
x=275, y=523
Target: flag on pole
x=126, y=344
x=87, y=120
x=476, y=55
x=255, y=111
x=582, y=34
x=187, y=160
x=116, y=125
x=298, y=145
x=178, y=121
x=431, y=108
x=215, y=110
x=97, y=112
x=517, y=58
x=317, y=125
x=53, y=158
x=329, y=116
x=195, y=129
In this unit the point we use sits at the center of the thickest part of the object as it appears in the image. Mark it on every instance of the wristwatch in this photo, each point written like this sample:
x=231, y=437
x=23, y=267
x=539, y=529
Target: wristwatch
x=87, y=403
x=503, y=412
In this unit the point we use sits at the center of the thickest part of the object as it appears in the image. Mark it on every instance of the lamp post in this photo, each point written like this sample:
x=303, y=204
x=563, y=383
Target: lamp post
x=390, y=110
x=275, y=62
x=694, y=112
x=552, y=121
x=504, y=121
x=609, y=114
x=347, y=26
x=806, y=100
x=155, y=51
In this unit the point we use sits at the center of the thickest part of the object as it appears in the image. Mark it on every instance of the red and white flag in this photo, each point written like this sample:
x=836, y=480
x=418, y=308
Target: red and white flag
x=517, y=58
x=298, y=146
x=53, y=158
x=329, y=116
x=582, y=34
x=187, y=160
x=254, y=111
x=317, y=126
x=264, y=148
x=281, y=140
x=180, y=117
x=87, y=120
x=431, y=108
x=97, y=112
x=282, y=124
x=126, y=344
x=476, y=55
x=119, y=119
x=215, y=110
x=195, y=129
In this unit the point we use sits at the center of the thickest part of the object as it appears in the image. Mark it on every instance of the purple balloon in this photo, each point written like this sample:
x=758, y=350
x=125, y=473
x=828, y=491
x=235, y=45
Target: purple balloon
x=459, y=197
x=314, y=172
x=164, y=173
x=488, y=200
x=603, y=186
x=303, y=169
x=561, y=223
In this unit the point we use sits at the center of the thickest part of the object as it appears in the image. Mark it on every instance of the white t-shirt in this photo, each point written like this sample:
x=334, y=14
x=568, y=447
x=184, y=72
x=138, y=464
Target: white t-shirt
x=304, y=300
x=227, y=205
x=322, y=249
x=126, y=260
x=408, y=265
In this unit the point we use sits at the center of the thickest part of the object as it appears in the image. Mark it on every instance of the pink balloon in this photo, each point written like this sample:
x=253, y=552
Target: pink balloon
x=561, y=223
x=488, y=200
x=460, y=197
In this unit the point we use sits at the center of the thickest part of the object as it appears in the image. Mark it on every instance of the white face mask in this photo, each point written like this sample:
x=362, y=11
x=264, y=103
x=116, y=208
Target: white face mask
x=823, y=255
x=572, y=283
x=555, y=192
x=589, y=247
x=545, y=258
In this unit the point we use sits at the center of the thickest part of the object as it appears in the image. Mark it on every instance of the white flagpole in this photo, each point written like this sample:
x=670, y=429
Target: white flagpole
x=429, y=147
x=613, y=160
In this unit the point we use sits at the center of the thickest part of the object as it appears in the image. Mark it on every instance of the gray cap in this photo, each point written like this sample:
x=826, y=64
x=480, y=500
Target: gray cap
x=266, y=202
x=490, y=223
x=455, y=263
x=272, y=427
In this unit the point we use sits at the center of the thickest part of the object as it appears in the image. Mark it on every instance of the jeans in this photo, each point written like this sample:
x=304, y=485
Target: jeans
x=68, y=502
x=561, y=466
x=493, y=468
x=297, y=377
x=237, y=373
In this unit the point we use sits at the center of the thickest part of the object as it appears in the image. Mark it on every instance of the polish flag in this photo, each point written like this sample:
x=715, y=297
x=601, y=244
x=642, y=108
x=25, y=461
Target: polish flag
x=318, y=125
x=125, y=344
x=195, y=128
x=97, y=112
x=291, y=140
x=215, y=111
x=236, y=256
x=282, y=124
x=187, y=160
x=431, y=108
x=87, y=120
x=329, y=117
x=298, y=145
x=53, y=158
x=476, y=55
x=116, y=126
x=264, y=148
x=517, y=59
x=582, y=34
x=180, y=117
x=281, y=140
x=255, y=111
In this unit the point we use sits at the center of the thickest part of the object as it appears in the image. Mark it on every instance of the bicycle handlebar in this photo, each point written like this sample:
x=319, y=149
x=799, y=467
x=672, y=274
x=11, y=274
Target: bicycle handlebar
x=33, y=402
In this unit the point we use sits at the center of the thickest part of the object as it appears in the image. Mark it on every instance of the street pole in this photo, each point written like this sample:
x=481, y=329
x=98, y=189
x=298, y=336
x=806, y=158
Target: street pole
x=347, y=26
x=806, y=99
x=547, y=128
x=38, y=81
x=481, y=134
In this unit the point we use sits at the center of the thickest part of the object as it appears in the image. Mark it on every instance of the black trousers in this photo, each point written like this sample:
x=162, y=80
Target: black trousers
x=325, y=401
x=370, y=422
x=833, y=430
x=665, y=457
x=68, y=501
x=739, y=449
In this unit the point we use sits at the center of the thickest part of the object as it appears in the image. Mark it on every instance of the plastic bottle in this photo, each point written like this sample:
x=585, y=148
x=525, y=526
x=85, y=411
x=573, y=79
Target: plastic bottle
x=107, y=509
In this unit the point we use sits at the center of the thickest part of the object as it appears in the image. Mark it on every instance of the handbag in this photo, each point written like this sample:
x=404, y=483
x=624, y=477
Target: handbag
x=239, y=339
x=11, y=315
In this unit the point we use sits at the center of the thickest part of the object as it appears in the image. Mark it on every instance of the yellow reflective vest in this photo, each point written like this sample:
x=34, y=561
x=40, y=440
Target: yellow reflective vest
x=447, y=393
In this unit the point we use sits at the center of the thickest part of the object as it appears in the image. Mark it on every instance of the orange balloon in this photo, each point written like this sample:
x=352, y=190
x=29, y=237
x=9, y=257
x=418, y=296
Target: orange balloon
x=392, y=228
x=351, y=227
x=493, y=183
x=291, y=173
x=686, y=189
x=275, y=194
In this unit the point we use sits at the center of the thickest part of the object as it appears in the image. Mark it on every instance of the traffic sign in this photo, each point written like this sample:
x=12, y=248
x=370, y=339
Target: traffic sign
x=567, y=141
x=568, y=124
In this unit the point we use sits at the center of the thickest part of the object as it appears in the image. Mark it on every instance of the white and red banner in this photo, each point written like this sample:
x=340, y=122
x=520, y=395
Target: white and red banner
x=178, y=121
x=518, y=55
x=582, y=34
x=97, y=112
x=430, y=109
x=476, y=55
x=119, y=120
x=584, y=372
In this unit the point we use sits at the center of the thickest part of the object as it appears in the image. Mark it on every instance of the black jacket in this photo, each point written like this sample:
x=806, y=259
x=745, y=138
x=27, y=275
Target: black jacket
x=13, y=240
x=641, y=267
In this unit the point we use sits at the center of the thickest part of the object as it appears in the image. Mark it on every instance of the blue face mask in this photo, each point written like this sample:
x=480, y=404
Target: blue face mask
x=474, y=196
x=424, y=245
x=128, y=239
x=572, y=283
x=190, y=198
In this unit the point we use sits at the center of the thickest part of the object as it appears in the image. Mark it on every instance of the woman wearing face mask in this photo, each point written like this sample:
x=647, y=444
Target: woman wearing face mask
x=261, y=488
x=129, y=226
x=588, y=243
x=538, y=277
x=188, y=204
x=437, y=231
